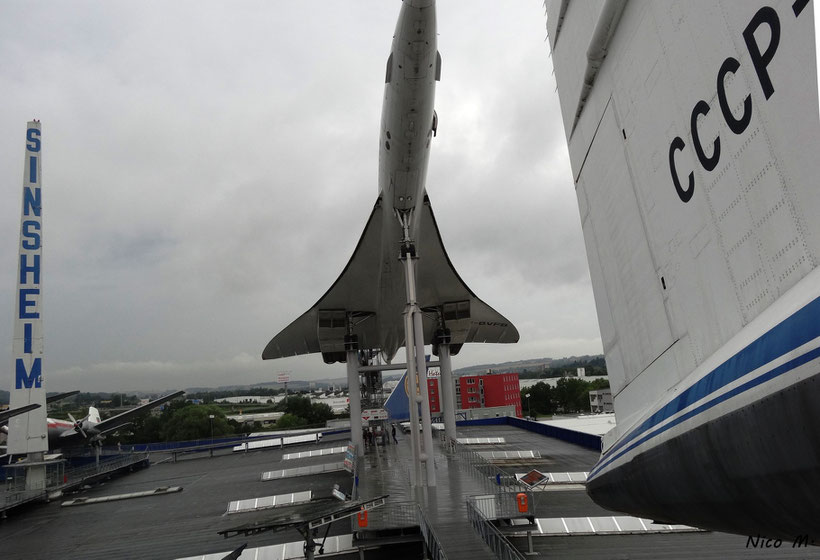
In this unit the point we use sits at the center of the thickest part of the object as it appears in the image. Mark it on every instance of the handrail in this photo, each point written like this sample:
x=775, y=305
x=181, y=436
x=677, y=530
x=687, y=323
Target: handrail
x=402, y=515
x=495, y=479
x=434, y=550
x=492, y=537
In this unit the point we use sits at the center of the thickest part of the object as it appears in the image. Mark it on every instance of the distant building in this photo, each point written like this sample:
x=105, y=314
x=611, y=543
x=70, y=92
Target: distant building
x=601, y=400
x=337, y=404
x=477, y=396
x=259, y=399
x=479, y=391
x=264, y=418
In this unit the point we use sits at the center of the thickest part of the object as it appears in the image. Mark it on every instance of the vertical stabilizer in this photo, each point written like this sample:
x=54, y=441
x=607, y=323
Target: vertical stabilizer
x=694, y=155
x=94, y=415
x=28, y=432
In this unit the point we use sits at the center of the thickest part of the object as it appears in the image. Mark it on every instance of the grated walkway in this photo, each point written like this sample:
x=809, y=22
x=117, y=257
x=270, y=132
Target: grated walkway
x=386, y=470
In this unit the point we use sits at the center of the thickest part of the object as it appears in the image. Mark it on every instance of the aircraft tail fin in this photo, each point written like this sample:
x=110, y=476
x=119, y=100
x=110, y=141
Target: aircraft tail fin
x=695, y=170
x=94, y=415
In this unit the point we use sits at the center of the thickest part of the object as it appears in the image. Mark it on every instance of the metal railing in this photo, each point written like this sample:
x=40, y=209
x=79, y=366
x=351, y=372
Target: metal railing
x=74, y=475
x=434, y=550
x=9, y=499
x=16, y=477
x=501, y=501
x=494, y=479
x=393, y=515
x=18, y=489
x=502, y=506
x=492, y=537
x=404, y=515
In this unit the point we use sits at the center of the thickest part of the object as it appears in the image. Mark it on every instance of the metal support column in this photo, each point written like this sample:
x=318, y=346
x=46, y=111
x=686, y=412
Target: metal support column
x=447, y=386
x=411, y=386
x=310, y=545
x=416, y=367
x=426, y=422
x=354, y=391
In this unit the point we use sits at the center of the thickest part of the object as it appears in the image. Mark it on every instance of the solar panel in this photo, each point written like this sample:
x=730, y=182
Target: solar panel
x=306, y=518
x=557, y=526
x=605, y=524
x=558, y=477
x=280, y=434
x=630, y=525
x=491, y=455
x=259, y=444
x=579, y=525
x=277, y=442
x=315, y=453
x=551, y=526
x=532, y=478
x=303, y=471
x=305, y=438
x=254, y=504
x=286, y=551
x=480, y=440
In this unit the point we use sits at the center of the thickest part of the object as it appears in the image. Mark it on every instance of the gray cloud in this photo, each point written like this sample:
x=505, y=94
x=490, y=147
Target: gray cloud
x=208, y=169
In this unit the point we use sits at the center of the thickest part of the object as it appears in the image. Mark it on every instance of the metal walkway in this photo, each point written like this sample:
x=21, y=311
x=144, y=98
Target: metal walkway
x=385, y=470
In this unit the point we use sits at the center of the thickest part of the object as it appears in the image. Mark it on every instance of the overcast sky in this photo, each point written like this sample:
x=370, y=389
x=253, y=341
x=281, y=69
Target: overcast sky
x=209, y=167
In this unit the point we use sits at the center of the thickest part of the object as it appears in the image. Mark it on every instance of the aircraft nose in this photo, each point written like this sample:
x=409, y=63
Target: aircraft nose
x=419, y=3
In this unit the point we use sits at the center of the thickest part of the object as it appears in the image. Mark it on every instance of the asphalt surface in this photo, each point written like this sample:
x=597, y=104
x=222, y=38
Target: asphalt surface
x=169, y=526
x=187, y=523
x=559, y=456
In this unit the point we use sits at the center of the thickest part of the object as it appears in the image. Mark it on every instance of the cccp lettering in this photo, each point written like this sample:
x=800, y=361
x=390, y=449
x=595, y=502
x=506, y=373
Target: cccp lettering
x=760, y=56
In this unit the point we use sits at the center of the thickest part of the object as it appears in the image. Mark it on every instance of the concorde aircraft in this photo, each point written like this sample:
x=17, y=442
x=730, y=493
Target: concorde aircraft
x=368, y=298
x=693, y=135
x=92, y=428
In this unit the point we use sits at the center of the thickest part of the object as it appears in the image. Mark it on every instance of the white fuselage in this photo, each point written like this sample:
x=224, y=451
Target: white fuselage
x=693, y=134
x=404, y=148
x=407, y=112
x=399, y=264
x=63, y=433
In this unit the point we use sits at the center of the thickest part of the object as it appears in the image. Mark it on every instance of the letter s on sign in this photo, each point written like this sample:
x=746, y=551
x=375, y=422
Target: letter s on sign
x=33, y=140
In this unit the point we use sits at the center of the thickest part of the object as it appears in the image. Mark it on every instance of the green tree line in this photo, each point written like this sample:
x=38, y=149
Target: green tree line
x=300, y=412
x=571, y=394
x=594, y=367
x=182, y=421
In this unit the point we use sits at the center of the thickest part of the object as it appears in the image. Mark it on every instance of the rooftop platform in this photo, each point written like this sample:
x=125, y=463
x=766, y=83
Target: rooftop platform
x=186, y=524
x=386, y=470
x=167, y=526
